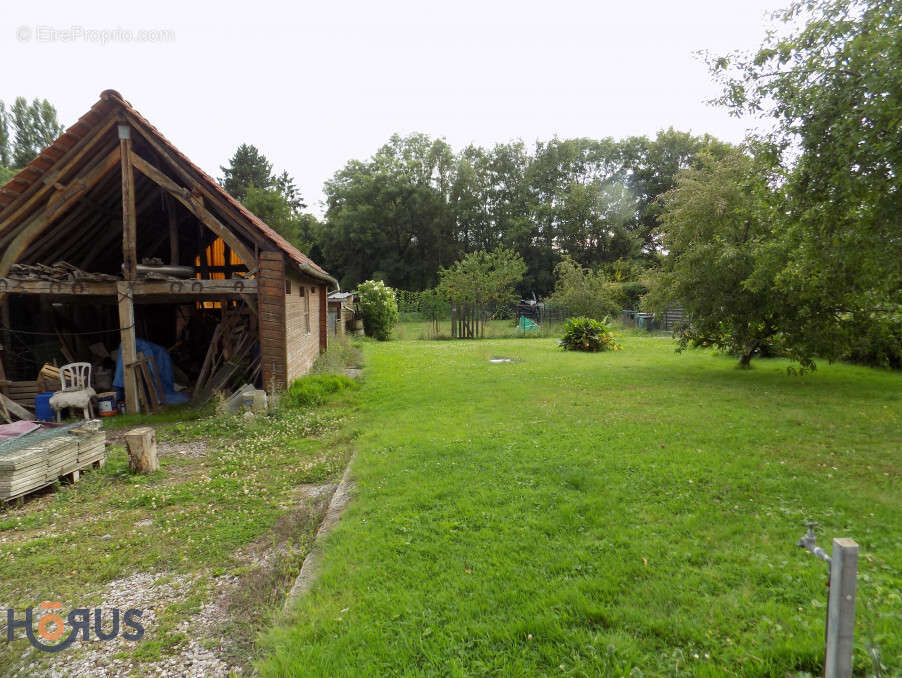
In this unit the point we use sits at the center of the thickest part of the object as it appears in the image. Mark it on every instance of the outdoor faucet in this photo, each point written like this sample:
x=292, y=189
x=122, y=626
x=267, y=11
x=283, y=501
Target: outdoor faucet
x=807, y=542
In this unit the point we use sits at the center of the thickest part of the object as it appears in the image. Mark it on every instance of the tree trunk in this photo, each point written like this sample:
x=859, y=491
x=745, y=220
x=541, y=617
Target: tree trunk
x=142, y=450
x=746, y=358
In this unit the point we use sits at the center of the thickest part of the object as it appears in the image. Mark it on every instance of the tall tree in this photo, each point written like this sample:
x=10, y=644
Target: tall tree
x=578, y=206
x=824, y=79
x=5, y=154
x=716, y=220
x=389, y=217
x=247, y=167
x=34, y=127
x=652, y=166
x=284, y=184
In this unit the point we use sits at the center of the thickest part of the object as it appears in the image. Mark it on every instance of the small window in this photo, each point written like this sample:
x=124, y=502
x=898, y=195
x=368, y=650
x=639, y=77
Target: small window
x=301, y=291
x=287, y=286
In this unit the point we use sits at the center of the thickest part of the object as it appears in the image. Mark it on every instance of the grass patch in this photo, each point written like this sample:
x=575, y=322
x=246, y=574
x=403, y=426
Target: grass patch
x=341, y=354
x=628, y=513
x=193, y=518
x=316, y=388
x=167, y=415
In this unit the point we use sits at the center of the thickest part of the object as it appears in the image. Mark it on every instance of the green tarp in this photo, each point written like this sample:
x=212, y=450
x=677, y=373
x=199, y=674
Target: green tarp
x=526, y=325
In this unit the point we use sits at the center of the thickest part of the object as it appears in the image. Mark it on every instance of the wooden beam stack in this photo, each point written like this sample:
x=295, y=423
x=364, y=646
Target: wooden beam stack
x=39, y=459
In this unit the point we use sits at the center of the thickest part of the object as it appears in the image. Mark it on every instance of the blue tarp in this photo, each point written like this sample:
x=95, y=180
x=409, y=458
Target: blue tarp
x=164, y=365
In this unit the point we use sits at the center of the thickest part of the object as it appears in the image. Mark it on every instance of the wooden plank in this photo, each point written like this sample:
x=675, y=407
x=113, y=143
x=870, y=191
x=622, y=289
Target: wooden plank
x=127, y=338
x=12, y=407
x=13, y=286
x=155, y=372
x=208, y=359
x=139, y=387
x=36, y=226
x=129, y=218
x=187, y=288
x=142, y=368
x=195, y=287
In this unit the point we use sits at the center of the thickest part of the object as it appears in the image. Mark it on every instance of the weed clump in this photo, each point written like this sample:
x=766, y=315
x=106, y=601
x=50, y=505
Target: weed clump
x=315, y=388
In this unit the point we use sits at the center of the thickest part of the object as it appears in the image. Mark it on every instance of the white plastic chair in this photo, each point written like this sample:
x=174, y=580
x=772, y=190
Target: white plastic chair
x=76, y=390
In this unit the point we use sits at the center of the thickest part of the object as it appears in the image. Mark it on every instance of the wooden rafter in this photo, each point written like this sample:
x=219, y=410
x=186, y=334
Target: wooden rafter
x=194, y=204
x=82, y=212
x=67, y=162
x=75, y=190
x=214, y=199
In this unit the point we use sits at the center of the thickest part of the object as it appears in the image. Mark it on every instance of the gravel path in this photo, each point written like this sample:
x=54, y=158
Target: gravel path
x=151, y=593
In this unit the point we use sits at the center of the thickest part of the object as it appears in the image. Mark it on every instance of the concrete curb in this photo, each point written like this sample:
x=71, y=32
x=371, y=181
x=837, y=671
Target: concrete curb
x=313, y=562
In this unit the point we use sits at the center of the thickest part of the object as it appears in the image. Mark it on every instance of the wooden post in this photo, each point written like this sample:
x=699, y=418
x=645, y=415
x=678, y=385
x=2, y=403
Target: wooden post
x=129, y=345
x=142, y=450
x=841, y=609
x=129, y=228
x=173, y=231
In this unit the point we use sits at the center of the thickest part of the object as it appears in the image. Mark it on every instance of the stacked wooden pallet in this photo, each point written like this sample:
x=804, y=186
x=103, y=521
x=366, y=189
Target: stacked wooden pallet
x=91, y=448
x=39, y=459
x=62, y=455
x=22, y=471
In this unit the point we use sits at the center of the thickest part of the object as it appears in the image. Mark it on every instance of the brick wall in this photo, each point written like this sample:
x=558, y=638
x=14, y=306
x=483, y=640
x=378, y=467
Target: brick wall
x=304, y=338
x=287, y=346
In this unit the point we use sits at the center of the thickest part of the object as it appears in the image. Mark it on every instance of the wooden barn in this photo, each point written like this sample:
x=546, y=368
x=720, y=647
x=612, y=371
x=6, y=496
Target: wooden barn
x=111, y=237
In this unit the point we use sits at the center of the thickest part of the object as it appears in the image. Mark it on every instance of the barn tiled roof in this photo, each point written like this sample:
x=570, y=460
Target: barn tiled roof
x=110, y=100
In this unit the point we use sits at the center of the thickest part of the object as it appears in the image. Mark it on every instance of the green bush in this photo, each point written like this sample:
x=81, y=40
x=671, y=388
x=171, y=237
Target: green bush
x=877, y=342
x=587, y=334
x=313, y=389
x=378, y=307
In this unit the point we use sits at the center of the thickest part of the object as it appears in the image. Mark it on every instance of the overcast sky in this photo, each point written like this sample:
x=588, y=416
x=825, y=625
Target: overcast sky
x=313, y=85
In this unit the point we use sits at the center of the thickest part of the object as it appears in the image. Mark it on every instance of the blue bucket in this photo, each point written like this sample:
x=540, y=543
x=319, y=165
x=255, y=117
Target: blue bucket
x=42, y=409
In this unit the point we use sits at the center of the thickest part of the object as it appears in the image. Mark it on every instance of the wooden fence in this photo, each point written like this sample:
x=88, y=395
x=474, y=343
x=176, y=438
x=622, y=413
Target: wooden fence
x=468, y=321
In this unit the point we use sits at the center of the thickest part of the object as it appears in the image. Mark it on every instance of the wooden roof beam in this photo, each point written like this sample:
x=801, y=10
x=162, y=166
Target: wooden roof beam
x=75, y=190
x=10, y=213
x=82, y=212
x=194, y=204
x=254, y=235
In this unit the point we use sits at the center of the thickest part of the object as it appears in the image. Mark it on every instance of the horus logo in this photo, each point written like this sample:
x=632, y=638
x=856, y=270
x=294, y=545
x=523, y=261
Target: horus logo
x=52, y=626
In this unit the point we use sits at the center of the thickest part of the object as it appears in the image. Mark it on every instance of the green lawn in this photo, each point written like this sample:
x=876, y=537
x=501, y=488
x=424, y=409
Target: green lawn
x=631, y=513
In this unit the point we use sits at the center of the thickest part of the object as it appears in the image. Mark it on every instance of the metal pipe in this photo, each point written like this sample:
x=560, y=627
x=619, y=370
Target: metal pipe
x=168, y=269
x=808, y=542
x=309, y=270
